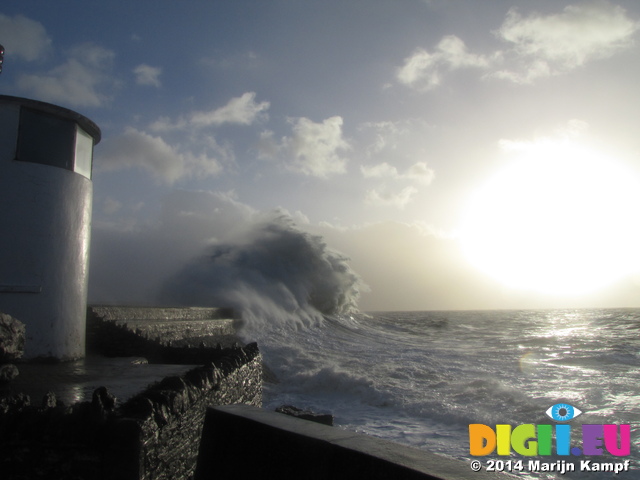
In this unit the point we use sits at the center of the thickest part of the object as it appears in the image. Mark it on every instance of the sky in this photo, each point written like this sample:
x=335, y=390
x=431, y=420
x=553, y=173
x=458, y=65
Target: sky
x=461, y=154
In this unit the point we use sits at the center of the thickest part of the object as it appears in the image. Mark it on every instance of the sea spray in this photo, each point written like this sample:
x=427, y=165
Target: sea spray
x=293, y=293
x=275, y=274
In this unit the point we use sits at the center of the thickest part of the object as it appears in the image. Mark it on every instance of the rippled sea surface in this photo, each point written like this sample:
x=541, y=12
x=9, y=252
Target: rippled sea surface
x=420, y=378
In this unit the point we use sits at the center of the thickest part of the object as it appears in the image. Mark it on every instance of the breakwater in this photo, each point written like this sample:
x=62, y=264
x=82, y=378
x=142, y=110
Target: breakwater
x=152, y=435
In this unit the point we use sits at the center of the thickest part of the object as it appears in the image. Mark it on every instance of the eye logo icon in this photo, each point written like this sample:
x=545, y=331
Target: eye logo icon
x=562, y=412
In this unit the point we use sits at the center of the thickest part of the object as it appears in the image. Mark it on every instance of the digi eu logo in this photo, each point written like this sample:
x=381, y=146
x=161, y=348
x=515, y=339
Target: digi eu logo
x=531, y=439
x=562, y=412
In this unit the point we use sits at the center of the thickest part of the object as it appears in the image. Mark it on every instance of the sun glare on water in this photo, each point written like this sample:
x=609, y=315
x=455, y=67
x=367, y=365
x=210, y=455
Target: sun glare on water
x=560, y=219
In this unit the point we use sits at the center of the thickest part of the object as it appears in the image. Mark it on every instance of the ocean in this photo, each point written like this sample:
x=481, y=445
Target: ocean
x=417, y=378
x=420, y=378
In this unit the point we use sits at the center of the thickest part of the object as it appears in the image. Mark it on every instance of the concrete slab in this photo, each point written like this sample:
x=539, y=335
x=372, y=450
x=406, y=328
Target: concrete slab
x=285, y=447
x=117, y=312
x=129, y=330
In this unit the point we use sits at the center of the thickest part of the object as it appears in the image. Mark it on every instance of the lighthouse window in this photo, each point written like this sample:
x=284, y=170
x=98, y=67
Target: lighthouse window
x=46, y=139
x=84, y=152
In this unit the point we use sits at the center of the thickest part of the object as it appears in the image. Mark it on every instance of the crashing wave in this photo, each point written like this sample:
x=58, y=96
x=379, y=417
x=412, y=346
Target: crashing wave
x=274, y=273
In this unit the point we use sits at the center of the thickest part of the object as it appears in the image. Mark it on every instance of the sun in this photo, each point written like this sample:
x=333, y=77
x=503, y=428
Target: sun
x=559, y=219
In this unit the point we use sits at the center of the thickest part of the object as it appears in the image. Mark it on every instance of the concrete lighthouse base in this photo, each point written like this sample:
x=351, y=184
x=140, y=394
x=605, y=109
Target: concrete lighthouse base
x=44, y=260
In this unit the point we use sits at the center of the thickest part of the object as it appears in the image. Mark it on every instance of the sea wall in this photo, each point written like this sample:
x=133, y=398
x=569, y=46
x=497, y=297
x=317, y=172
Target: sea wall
x=289, y=448
x=171, y=414
x=155, y=332
x=154, y=435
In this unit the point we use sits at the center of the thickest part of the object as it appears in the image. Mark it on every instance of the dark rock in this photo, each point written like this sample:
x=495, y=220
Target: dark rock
x=49, y=400
x=14, y=403
x=173, y=383
x=102, y=403
x=102, y=397
x=12, y=338
x=8, y=372
x=323, y=418
x=138, y=406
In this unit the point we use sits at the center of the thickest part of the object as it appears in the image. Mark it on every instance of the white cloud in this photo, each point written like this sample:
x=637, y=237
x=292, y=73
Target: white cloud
x=78, y=81
x=386, y=198
x=386, y=135
x=379, y=171
x=313, y=149
x=243, y=110
x=544, y=45
x=424, y=70
x=418, y=172
x=23, y=37
x=537, y=46
x=136, y=149
x=453, y=52
x=239, y=110
x=421, y=173
x=147, y=75
x=574, y=129
x=421, y=67
x=201, y=165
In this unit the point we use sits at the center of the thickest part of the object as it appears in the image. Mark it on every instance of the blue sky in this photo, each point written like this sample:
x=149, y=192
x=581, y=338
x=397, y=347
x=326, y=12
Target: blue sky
x=372, y=123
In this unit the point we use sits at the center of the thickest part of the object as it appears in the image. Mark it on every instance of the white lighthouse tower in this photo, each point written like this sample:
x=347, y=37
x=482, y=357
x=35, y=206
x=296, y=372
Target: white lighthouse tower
x=46, y=155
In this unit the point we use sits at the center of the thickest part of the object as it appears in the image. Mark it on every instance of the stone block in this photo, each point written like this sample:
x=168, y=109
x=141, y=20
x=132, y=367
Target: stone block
x=8, y=372
x=12, y=338
x=323, y=418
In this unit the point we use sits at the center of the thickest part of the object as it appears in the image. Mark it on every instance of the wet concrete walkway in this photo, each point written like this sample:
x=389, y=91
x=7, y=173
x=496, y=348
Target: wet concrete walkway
x=75, y=381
